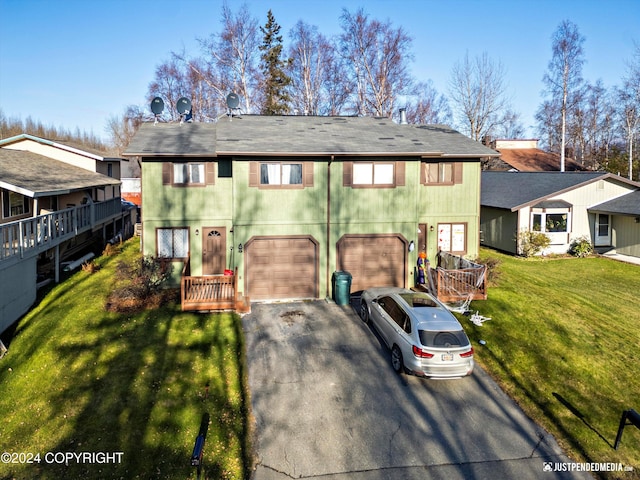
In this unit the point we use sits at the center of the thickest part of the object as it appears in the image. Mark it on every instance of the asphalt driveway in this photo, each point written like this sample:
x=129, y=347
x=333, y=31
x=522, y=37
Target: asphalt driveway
x=327, y=404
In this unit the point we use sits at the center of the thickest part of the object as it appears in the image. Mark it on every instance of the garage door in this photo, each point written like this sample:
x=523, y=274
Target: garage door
x=281, y=267
x=373, y=260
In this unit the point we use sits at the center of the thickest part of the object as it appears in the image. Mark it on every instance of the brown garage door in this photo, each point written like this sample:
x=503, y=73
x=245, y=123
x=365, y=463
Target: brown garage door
x=281, y=267
x=373, y=260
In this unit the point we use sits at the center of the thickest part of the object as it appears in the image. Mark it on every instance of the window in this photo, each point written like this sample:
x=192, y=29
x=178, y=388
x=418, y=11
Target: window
x=14, y=204
x=109, y=169
x=188, y=174
x=441, y=173
x=452, y=237
x=373, y=173
x=550, y=222
x=172, y=242
x=192, y=173
x=280, y=174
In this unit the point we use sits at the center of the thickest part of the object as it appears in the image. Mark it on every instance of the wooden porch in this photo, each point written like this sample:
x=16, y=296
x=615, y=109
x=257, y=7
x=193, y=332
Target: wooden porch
x=210, y=292
x=456, y=279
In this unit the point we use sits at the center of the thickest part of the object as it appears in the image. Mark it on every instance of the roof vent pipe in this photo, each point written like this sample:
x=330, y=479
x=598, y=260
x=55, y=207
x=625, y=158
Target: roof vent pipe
x=403, y=116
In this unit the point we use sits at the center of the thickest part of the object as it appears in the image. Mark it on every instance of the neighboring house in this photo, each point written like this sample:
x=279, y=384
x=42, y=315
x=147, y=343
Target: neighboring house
x=290, y=200
x=525, y=156
x=618, y=223
x=564, y=205
x=54, y=206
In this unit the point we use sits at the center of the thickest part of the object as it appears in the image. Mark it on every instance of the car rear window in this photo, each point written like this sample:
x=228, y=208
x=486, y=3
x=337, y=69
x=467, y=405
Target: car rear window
x=456, y=338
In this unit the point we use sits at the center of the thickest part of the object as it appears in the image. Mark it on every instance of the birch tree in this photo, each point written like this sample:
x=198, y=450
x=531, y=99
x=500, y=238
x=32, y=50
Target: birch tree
x=377, y=56
x=564, y=75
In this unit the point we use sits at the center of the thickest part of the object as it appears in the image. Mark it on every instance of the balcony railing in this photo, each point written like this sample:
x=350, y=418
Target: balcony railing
x=36, y=234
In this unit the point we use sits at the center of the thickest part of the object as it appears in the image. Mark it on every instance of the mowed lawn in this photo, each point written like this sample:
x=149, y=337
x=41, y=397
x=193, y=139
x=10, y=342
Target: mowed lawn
x=564, y=341
x=79, y=379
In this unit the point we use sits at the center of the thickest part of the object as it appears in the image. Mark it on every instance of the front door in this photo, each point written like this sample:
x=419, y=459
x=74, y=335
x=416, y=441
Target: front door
x=603, y=230
x=214, y=250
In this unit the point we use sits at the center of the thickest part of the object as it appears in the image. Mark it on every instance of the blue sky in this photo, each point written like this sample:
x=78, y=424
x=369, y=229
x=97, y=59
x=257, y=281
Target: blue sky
x=75, y=63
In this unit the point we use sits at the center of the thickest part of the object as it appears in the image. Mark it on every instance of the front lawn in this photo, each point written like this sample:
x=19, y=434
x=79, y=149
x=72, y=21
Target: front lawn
x=564, y=341
x=79, y=379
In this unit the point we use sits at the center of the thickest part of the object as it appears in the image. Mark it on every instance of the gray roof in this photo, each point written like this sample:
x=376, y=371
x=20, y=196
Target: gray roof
x=514, y=190
x=303, y=136
x=628, y=204
x=35, y=175
x=174, y=139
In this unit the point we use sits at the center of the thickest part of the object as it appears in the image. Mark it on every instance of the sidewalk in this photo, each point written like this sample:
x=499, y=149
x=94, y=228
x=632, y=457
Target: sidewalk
x=622, y=258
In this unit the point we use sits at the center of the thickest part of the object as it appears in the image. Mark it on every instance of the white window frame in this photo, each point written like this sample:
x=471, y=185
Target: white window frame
x=373, y=173
x=172, y=243
x=195, y=174
x=278, y=174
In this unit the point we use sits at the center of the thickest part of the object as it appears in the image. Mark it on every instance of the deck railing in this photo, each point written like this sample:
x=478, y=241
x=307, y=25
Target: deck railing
x=35, y=234
x=208, y=292
x=457, y=279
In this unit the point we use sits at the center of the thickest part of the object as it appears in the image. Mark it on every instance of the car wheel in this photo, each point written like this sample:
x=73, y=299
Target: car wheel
x=364, y=312
x=396, y=359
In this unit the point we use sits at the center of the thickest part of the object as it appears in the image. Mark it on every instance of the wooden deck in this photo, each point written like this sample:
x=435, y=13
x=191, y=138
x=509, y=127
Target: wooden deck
x=456, y=279
x=210, y=292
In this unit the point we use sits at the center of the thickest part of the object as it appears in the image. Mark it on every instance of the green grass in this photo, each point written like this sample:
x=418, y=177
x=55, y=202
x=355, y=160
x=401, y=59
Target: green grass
x=79, y=379
x=564, y=341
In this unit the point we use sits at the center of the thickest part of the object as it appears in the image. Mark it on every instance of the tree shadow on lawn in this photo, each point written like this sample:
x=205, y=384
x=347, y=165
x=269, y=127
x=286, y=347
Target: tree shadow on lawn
x=138, y=386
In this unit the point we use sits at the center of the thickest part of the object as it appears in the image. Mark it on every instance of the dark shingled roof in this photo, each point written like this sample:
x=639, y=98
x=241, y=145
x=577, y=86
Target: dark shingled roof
x=35, y=175
x=628, y=204
x=514, y=190
x=303, y=135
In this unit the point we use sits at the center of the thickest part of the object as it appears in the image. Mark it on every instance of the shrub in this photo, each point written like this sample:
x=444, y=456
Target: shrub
x=140, y=285
x=532, y=243
x=581, y=247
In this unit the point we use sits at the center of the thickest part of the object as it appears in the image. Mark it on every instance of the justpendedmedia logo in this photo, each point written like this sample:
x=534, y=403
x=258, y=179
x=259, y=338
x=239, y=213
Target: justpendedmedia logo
x=585, y=467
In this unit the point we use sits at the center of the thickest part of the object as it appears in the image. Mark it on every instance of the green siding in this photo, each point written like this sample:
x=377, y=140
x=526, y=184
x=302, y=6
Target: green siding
x=249, y=211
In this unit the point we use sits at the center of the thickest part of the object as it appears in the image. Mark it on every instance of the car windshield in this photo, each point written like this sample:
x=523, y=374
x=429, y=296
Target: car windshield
x=417, y=299
x=456, y=338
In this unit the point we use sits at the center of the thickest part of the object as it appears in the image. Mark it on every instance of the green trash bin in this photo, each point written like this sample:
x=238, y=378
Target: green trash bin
x=341, y=282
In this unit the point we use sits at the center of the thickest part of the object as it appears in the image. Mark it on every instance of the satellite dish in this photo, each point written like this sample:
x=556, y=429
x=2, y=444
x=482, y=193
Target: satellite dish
x=184, y=106
x=157, y=106
x=233, y=101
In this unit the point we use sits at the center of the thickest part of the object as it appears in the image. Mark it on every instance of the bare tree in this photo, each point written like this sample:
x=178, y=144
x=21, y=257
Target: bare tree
x=564, y=74
x=427, y=106
x=629, y=105
x=477, y=90
x=510, y=125
x=232, y=55
x=378, y=57
x=312, y=57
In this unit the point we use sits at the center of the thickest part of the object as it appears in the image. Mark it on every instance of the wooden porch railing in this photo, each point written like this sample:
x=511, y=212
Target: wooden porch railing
x=457, y=279
x=208, y=292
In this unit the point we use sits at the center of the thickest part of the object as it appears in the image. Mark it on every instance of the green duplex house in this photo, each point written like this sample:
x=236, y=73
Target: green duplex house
x=288, y=201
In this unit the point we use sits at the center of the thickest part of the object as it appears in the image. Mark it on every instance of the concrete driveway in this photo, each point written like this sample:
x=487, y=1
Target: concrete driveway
x=327, y=404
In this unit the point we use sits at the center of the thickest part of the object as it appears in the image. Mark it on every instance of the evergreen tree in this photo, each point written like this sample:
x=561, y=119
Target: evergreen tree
x=276, y=80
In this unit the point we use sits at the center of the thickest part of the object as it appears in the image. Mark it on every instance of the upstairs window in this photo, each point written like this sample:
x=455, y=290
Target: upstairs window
x=441, y=173
x=196, y=174
x=372, y=174
x=192, y=173
x=280, y=174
